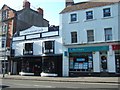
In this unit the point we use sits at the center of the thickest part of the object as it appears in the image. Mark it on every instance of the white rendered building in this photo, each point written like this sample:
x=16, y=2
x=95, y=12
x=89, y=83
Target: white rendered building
x=90, y=33
x=37, y=50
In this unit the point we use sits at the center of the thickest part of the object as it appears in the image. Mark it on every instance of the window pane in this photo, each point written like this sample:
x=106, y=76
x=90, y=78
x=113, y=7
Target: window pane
x=3, y=44
x=48, y=45
x=106, y=12
x=73, y=17
x=108, y=34
x=29, y=46
x=73, y=37
x=89, y=15
x=90, y=35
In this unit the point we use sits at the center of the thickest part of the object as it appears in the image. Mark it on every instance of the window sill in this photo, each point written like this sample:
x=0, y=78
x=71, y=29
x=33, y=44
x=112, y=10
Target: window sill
x=89, y=20
x=109, y=40
x=91, y=42
x=107, y=17
x=73, y=22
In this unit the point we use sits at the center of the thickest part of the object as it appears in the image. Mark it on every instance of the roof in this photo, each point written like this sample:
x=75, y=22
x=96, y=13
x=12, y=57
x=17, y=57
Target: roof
x=85, y=5
x=8, y=7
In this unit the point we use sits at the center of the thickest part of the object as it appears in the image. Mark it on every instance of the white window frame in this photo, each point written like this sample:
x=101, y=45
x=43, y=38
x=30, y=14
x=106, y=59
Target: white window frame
x=108, y=35
x=109, y=12
x=90, y=15
x=76, y=39
x=70, y=17
x=93, y=36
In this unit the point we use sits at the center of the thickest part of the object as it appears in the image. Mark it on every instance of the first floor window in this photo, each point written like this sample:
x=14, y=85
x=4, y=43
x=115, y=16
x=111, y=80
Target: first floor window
x=48, y=47
x=108, y=34
x=90, y=35
x=73, y=37
x=28, y=50
x=4, y=28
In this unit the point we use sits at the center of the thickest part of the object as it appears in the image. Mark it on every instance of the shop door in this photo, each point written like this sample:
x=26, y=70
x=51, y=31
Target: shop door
x=37, y=68
x=103, y=61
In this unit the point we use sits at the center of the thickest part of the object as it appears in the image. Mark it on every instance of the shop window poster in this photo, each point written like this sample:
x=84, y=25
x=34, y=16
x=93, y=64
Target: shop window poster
x=71, y=63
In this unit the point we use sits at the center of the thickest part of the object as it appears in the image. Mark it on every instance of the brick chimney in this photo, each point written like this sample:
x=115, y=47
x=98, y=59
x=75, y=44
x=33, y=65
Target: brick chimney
x=40, y=10
x=69, y=3
x=26, y=4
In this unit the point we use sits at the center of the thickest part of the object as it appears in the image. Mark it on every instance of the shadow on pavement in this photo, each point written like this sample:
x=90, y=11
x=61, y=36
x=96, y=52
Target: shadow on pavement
x=3, y=86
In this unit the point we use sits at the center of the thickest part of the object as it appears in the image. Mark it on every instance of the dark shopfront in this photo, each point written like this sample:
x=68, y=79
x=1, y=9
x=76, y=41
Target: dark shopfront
x=116, y=48
x=29, y=65
x=37, y=65
x=52, y=64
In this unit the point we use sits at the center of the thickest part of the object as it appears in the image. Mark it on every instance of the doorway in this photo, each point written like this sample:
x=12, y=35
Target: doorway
x=103, y=61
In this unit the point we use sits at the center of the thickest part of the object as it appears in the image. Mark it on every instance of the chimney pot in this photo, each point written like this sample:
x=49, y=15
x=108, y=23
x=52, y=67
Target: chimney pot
x=26, y=4
x=40, y=10
x=69, y=3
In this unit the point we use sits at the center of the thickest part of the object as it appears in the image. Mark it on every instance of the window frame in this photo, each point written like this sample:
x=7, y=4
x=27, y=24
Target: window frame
x=89, y=17
x=74, y=37
x=108, y=37
x=4, y=28
x=107, y=14
x=3, y=43
x=4, y=14
x=49, y=50
x=28, y=52
x=75, y=19
x=89, y=36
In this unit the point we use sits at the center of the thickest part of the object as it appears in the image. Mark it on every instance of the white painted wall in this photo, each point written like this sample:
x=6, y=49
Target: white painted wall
x=65, y=63
x=111, y=62
x=96, y=62
x=18, y=46
x=37, y=45
x=97, y=24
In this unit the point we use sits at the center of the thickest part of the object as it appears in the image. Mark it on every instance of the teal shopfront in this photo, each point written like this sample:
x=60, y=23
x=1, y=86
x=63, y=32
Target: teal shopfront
x=81, y=59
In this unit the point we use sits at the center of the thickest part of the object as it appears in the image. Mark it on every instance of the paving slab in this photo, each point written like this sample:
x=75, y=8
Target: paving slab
x=65, y=79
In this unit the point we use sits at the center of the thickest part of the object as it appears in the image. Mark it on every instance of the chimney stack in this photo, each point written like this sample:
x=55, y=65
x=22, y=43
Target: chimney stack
x=40, y=10
x=69, y=2
x=26, y=4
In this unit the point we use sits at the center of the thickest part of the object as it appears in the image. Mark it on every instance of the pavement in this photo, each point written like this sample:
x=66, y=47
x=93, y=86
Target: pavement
x=65, y=79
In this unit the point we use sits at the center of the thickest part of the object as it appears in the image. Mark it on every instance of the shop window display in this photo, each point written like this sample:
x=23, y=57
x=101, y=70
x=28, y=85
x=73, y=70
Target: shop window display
x=30, y=67
x=49, y=67
x=81, y=62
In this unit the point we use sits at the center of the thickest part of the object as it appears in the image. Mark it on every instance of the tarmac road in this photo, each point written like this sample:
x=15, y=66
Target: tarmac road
x=9, y=84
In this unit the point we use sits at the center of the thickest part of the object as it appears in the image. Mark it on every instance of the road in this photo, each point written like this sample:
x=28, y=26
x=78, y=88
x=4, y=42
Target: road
x=8, y=84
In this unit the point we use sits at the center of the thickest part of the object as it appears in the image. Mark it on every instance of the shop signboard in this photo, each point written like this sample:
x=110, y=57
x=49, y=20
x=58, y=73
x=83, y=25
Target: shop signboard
x=34, y=30
x=80, y=59
x=116, y=47
x=89, y=49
